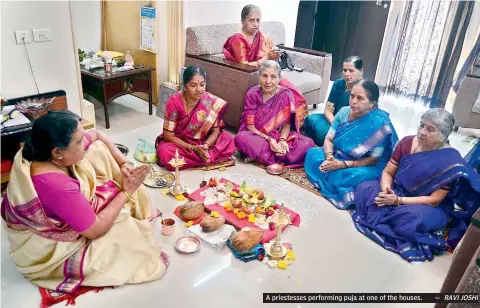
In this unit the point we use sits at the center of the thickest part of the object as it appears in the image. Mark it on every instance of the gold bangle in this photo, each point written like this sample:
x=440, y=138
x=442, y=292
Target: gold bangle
x=128, y=196
x=126, y=162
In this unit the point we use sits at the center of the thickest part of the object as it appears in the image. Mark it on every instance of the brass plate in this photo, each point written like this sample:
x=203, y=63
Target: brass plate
x=159, y=179
x=187, y=244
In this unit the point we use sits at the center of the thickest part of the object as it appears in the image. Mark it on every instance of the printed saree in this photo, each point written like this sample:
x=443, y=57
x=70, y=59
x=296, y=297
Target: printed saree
x=417, y=232
x=371, y=135
x=50, y=254
x=194, y=128
x=269, y=117
x=238, y=49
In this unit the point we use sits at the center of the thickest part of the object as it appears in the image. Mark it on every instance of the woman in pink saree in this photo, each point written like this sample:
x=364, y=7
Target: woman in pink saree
x=76, y=213
x=269, y=130
x=193, y=126
x=252, y=47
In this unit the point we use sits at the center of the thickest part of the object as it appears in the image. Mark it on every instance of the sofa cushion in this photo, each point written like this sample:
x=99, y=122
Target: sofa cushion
x=476, y=105
x=209, y=40
x=304, y=81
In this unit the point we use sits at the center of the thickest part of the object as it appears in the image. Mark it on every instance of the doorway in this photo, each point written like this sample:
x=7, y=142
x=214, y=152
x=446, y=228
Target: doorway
x=343, y=28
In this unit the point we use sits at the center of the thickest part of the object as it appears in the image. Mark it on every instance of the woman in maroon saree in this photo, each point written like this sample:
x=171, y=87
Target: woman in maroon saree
x=252, y=47
x=269, y=130
x=193, y=126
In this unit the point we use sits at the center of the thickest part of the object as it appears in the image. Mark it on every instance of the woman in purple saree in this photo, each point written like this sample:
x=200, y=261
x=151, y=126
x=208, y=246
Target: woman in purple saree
x=426, y=196
x=269, y=130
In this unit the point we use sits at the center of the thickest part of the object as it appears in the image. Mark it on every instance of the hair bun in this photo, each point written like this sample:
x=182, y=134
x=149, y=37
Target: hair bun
x=28, y=151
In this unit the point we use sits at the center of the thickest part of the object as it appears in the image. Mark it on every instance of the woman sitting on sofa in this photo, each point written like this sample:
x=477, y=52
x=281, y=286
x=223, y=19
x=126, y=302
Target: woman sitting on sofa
x=252, y=47
x=356, y=149
x=76, y=213
x=316, y=126
x=193, y=126
x=269, y=132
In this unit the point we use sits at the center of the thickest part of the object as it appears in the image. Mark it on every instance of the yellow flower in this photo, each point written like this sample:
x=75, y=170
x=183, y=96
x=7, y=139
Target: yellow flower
x=254, y=196
x=214, y=214
x=180, y=197
x=290, y=254
x=251, y=218
x=282, y=264
x=188, y=224
x=235, y=210
x=165, y=192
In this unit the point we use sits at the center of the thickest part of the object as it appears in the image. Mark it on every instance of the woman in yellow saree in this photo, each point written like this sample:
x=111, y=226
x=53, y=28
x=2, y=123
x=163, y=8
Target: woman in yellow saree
x=76, y=213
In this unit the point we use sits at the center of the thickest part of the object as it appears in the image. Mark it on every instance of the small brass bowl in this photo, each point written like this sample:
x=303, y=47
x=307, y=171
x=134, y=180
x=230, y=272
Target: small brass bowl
x=187, y=244
x=276, y=169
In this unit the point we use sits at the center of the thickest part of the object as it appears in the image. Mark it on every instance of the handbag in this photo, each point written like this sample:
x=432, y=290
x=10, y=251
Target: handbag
x=286, y=62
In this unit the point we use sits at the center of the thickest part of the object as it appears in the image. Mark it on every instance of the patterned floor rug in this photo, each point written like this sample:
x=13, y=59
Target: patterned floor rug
x=296, y=176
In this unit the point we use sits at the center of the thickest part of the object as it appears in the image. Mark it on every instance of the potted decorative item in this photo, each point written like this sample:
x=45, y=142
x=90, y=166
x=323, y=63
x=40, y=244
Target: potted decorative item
x=81, y=55
x=35, y=108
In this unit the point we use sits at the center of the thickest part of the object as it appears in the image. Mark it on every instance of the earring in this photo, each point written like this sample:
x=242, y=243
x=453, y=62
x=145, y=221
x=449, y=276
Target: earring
x=59, y=157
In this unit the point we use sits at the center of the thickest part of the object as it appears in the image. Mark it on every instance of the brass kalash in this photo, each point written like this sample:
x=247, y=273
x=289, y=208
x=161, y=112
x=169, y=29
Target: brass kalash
x=280, y=219
x=176, y=163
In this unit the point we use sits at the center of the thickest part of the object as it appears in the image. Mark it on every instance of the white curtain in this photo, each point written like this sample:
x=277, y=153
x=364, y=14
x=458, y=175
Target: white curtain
x=415, y=64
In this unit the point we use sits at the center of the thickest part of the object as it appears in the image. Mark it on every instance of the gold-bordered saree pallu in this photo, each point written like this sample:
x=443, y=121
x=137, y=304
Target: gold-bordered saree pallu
x=50, y=254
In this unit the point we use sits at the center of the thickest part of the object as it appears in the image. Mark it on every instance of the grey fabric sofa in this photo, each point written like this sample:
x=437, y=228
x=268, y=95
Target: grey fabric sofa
x=231, y=80
x=466, y=108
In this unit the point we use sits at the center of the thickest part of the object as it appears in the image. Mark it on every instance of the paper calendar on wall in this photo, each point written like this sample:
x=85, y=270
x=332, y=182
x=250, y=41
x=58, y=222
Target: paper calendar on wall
x=148, y=31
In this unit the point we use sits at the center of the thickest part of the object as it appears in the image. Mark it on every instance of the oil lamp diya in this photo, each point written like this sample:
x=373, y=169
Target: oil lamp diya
x=177, y=162
x=280, y=219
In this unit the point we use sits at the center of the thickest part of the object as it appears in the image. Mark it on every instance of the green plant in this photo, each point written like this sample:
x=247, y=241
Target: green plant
x=81, y=55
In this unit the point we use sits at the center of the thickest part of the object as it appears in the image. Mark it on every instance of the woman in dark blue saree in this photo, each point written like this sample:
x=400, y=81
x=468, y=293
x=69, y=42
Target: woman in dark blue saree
x=473, y=157
x=357, y=148
x=426, y=196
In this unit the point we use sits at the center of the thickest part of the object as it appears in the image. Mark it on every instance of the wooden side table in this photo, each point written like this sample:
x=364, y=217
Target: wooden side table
x=106, y=87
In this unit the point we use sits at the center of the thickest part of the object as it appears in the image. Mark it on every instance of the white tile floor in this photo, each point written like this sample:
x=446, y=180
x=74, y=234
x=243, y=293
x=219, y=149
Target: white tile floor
x=331, y=255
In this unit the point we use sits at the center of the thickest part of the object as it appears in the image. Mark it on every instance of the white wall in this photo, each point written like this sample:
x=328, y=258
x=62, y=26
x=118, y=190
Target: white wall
x=200, y=13
x=162, y=56
x=87, y=21
x=53, y=62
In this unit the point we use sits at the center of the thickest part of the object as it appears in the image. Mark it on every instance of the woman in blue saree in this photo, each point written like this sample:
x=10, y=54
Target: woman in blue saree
x=316, y=125
x=473, y=157
x=426, y=196
x=356, y=149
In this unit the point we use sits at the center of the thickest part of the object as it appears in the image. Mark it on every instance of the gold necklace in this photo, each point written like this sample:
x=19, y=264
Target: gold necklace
x=187, y=105
x=63, y=168
x=274, y=93
x=418, y=145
